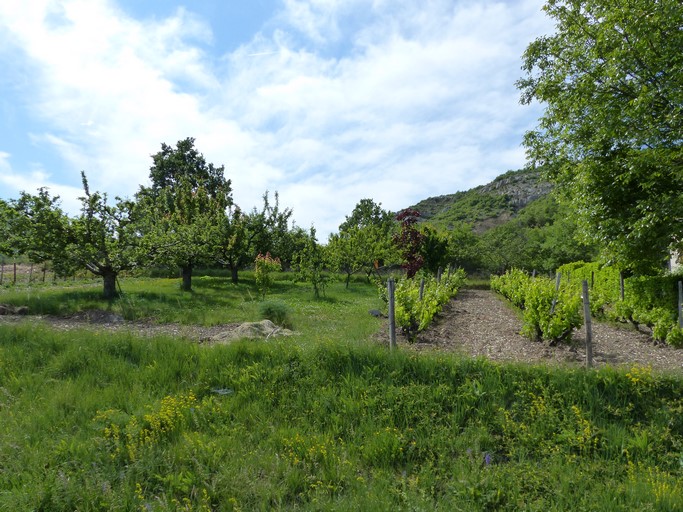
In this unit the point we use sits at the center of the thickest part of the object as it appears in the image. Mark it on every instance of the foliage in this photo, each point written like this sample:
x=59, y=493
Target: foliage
x=548, y=314
x=103, y=239
x=263, y=269
x=409, y=241
x=610, y=81
x=183, y=208
x=35, y=226
x=311, y=262
x=116, y=422
x=648, y=300
x=363, y=241
x=414, y=314
x=543, y=236
x=241, y=236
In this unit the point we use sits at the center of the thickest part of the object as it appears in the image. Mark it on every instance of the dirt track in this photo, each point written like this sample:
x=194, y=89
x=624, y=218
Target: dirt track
x=480, y=323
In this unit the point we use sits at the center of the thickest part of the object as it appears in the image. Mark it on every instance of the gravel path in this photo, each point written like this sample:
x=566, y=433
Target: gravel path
x=481, y=323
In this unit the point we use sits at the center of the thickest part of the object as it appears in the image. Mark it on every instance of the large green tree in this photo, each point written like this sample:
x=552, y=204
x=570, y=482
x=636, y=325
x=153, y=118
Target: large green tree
x=611, y=81
x=102, y=239
x=364, y=240
x=185, y=206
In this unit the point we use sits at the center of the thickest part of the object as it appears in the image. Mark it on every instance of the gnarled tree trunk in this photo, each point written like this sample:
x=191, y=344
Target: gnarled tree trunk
x=109, y=290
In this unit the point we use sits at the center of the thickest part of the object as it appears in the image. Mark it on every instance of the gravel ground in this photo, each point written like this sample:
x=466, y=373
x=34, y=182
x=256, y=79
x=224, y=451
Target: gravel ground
x=480, y=323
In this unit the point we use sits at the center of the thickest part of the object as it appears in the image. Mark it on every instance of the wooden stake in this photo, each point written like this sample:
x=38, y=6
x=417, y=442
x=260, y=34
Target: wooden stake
x=680, y=304
x=589, y=327
x=422, y=288
x=558, y=277
x=391, y=287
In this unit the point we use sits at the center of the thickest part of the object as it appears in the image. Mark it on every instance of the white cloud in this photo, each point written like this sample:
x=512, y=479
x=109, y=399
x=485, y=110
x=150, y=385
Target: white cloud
x=391, y=100
x=33, y=179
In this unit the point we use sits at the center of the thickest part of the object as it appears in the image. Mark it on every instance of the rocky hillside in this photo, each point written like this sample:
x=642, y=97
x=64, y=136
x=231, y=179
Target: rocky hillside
x=488, y=205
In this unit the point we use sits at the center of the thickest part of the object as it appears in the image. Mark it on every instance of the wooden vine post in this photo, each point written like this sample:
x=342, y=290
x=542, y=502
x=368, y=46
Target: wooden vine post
x=680, y=304
x=558, y=278
x=391, y=288
x=422, y=288
x=587, y=321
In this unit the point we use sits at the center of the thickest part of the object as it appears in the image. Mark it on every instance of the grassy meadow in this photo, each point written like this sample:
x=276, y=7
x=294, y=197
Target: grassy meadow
x=326, y=420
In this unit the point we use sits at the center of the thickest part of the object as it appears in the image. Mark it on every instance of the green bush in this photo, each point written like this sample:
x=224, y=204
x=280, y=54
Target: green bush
x=277, y=312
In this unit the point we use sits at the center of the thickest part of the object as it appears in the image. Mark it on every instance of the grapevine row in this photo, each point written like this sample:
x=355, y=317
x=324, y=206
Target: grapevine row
x=413, y=314
x=648, y=300
x=548, y=314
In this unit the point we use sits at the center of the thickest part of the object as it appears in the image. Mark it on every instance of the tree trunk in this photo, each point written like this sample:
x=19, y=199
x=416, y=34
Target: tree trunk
x=233, y=272
x=109, y=290
x=186, y=285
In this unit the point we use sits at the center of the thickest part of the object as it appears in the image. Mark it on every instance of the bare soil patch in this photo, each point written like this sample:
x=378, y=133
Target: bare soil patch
x=97, y=320
x=480, y=323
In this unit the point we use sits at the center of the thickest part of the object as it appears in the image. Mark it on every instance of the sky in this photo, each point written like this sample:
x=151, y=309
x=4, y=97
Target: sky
x=326, y=102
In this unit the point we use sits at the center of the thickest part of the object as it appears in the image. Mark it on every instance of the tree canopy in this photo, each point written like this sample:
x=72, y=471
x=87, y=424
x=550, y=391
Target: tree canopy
x=611, y=81
x=184, y=207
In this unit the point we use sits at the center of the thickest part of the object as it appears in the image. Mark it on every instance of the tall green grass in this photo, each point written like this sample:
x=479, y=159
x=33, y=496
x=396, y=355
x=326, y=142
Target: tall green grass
x=113, y=422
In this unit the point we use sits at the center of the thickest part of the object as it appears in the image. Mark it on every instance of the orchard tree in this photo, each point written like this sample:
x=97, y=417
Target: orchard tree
x=269, y=230
x=463, y=247
x=434, y=249
x=39, y=229
x=185, y=207
x=364, y=240
x=311, y=261
x=103, y=239
x=233, y=241
x=243, y=236
x=10, y=229
x=611, y=81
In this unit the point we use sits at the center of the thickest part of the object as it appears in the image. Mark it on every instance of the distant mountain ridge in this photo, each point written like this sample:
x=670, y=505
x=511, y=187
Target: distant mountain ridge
x=486, y=206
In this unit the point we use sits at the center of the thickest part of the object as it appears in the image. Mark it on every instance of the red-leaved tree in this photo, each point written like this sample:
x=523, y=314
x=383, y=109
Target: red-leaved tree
x=409, y=241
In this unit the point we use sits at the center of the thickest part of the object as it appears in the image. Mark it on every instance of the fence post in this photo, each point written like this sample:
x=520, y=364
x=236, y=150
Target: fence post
x=2, y=271
x=422, y=288
x=391, y=287
x=558, y=277
x=588, y=322
x=680, y=304
x=15, y=273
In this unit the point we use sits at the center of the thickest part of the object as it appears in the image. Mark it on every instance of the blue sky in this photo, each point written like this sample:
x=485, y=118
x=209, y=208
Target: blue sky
x=325, y=101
